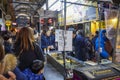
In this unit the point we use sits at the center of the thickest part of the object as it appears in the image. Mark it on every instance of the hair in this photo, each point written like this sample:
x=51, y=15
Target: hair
x=2, y=52
x=37, y=66
x=44, y=32
x=25, y=38
x=7, y=62
x=97, y=32
x=74, y=32
x=10, y=62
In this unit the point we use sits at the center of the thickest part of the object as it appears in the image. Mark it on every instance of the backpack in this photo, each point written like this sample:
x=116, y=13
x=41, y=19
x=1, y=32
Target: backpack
x=88, y=44
x=89, y=49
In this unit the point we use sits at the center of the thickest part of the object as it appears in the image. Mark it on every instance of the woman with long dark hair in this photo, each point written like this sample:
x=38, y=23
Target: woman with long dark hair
x=26, y=49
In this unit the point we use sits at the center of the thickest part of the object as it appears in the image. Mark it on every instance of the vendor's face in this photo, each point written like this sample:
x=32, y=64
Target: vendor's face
x=48, y=33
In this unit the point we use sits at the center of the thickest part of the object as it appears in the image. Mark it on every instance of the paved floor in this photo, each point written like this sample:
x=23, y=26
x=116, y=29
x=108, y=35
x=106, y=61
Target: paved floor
x=51, y=73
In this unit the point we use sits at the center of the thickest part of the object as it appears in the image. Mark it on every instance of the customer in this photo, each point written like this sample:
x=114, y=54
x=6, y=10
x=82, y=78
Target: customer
x=35, y=72
x=26, y=49
x=100, y=45
x=79, y=46
x=9, y=63
x=7, y=41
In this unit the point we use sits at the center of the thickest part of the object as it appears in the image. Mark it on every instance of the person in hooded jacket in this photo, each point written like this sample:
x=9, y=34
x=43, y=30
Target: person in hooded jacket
x=100, y=45
x=7, y=41
x=35, y=72
x=44, y=41
x=94, y=38
x=79, y=46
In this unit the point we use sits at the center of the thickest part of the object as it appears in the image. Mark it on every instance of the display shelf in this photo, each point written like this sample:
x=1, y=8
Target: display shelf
x=56, y=59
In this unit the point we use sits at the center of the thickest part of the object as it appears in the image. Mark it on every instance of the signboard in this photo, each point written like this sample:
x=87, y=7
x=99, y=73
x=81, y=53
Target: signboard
x=3, y=25
x=8, y=23
x=79, y=13
x=68, y=40
x=8, y=17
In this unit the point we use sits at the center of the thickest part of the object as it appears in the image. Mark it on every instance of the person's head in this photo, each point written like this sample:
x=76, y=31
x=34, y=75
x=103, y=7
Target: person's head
x=48, y=33
x=37, y=66
x=26, y=38
x=6, y=35
x=13, y=30
x=34, y=32
x=2, y=52
x=104, y=32
x=10, y=62
x=97, y=32
x=44, y=32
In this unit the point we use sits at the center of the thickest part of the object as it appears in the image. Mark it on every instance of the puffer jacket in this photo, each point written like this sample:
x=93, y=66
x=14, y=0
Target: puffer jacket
x=100, y=44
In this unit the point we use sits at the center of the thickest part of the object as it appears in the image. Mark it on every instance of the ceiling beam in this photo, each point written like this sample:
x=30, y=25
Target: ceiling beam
x=25, y=3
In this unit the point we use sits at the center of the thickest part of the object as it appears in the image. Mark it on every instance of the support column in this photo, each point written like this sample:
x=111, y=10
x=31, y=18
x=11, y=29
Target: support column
x=47, y=5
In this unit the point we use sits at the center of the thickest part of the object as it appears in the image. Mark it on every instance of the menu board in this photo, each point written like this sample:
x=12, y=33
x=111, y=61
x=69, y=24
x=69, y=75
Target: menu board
x=64, y=39
x=76, y=13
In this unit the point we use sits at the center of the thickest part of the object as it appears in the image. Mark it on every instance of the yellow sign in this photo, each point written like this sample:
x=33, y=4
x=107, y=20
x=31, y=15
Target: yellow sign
x=8, y=23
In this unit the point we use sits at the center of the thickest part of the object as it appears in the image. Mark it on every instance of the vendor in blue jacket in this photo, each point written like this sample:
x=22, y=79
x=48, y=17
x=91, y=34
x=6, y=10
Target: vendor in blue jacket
x=44, y=40
x=100, y=45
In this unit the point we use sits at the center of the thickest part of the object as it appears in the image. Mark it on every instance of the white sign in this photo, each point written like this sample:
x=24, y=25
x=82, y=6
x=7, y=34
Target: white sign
x=57, y=35
x=64, y=36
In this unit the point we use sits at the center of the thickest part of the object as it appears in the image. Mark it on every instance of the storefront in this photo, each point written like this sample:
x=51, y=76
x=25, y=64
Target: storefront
x=80, y=16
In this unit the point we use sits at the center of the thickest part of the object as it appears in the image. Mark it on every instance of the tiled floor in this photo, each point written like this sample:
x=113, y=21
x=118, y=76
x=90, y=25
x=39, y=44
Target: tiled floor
x=51, y=73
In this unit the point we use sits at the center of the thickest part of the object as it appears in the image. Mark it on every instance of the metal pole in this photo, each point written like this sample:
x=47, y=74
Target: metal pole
x=65, y=15
x=64, y=32
x=98, y=52
x=47, y=4
x=80, y=4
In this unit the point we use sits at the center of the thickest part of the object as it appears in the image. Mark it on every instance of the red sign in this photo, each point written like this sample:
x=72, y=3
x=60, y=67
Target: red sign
x=42, y=21
x=50, y=20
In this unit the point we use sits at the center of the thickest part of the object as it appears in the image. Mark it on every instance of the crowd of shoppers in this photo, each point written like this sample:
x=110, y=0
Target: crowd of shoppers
x=23, y=53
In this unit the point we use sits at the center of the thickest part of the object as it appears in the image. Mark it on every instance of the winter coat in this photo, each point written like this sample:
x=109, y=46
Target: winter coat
x=8, y=47
x=94, y=40
x=44, y=42
x=53, y=39
x=100, y=43
x=79, y=46
x=19, y=74
x=31, y=76
x=26, y=57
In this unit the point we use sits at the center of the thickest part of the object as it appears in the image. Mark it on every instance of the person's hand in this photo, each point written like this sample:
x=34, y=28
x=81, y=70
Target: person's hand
x=51, y=47
x=11, y=74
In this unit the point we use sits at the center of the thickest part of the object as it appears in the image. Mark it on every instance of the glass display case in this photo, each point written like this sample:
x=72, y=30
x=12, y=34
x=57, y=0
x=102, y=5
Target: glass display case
x=56, y=60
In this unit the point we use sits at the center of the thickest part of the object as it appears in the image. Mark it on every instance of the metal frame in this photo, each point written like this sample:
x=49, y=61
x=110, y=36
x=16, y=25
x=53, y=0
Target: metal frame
x=64, y=53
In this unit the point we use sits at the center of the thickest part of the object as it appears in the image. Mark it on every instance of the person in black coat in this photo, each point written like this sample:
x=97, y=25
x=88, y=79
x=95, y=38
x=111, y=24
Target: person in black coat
x=79, y=46
x=26, y=49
